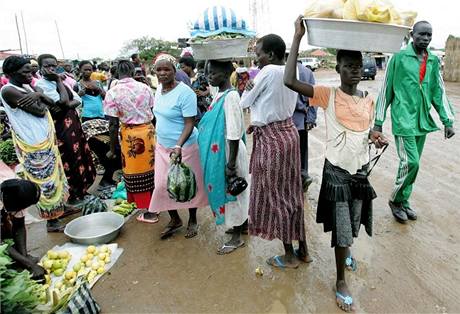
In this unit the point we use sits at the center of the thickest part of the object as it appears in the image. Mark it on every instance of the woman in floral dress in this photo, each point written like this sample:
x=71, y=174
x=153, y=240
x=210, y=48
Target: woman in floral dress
x=130, y=103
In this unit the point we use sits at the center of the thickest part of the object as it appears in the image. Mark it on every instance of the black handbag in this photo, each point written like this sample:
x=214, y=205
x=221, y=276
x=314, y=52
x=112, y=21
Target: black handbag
x=236, y=185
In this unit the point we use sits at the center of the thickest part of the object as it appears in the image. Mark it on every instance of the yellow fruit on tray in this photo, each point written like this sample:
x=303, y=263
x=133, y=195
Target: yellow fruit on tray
x=88, y=263
x=95, y=266
x=107, y=260
x=52, y=254
x=58, y=272
x=91, y=249
x=63, y=254
x=70, y=275
x=100, y=270
x=104, y=249
x=90, y=256
x=84, y=258
x=77, y=267
x=48, y=264
x=57, y=264
x=102, y=256
x=58, y=285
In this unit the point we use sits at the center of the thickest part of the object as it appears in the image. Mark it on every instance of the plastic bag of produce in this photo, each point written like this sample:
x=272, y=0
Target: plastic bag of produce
x=368, y=10
x=120, y=191
x=181, y=182
x=325, y=9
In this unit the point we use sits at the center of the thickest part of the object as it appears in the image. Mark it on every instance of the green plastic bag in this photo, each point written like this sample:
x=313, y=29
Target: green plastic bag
x=120, y=191
x=181, y=182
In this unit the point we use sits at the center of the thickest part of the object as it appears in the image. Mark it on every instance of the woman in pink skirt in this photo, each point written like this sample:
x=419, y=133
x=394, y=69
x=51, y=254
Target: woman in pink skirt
x=175, y=110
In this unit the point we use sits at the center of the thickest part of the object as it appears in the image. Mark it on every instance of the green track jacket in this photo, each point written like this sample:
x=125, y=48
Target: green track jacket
x=411, y=100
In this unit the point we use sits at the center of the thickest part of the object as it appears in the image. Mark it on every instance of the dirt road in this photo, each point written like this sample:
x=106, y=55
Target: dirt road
x=402, y=268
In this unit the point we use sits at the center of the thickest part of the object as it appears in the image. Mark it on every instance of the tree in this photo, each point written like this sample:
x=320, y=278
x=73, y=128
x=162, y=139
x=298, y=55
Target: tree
x=149, y=47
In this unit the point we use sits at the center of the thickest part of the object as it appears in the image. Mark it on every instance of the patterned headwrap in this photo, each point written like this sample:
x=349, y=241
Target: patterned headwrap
x=165, y=57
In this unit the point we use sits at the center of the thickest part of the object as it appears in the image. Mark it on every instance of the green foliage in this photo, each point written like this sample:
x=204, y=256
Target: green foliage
x=149, y=47
x=7, y=152
x=18, y=293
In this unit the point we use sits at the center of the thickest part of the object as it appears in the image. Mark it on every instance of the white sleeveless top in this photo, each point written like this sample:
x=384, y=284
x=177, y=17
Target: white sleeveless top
x=31, y=129
x=345, y=148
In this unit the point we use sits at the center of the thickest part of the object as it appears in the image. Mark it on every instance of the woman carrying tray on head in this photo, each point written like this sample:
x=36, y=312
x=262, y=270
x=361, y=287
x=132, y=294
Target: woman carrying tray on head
x=175, y=110
x=223, y=154
x=344, y=202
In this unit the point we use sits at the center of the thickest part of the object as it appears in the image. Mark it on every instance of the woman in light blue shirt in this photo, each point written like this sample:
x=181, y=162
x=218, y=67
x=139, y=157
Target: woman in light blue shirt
x=175, y=110
x=91, y=92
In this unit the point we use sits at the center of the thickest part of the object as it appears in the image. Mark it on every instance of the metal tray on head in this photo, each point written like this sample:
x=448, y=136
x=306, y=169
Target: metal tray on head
x=355, y=35
x=222, y=49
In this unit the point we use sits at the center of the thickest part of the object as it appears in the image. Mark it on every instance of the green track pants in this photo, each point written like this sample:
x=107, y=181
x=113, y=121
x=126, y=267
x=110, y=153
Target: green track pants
x=409, y=150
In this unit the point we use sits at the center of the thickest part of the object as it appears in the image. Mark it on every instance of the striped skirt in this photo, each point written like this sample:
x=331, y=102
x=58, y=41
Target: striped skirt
x=276, y=201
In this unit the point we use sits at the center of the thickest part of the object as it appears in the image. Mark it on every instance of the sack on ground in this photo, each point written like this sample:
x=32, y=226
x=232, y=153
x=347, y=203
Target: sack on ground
x=181, y=182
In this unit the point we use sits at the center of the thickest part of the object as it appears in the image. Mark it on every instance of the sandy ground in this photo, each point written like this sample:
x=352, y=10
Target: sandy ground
x=402, y=268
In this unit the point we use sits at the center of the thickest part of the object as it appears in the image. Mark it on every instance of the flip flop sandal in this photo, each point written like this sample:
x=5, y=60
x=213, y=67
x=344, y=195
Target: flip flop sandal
x=347, y=300
x=189, y=234
x=222, y=250
x=276, y=262
x=169, y=232
x=141, y=218
x=351, y=264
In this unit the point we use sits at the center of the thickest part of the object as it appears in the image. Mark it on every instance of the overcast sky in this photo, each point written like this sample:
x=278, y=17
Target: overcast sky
x=91, y=28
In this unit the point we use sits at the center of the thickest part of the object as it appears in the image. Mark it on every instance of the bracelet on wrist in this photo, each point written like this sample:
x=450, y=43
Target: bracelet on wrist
x=178, y=146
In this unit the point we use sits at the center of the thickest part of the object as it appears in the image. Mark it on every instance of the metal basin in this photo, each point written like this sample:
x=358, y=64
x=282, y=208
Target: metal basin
x=95, y=228
x=355, y=35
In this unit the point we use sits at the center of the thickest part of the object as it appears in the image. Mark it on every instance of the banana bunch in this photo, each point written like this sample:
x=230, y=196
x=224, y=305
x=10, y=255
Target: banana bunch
x=123, y=207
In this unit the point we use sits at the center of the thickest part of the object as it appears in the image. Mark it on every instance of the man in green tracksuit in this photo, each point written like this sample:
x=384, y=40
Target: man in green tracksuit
x=412, y=84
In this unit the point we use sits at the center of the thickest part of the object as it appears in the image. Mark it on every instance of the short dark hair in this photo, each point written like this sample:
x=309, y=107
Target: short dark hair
x=225, y=66
x=134, y=55
x=13, y=64
x=420, y=23
x=84, y=62
x=188, y=61
x=348, y=53
x=43, y=57
x=273, y=43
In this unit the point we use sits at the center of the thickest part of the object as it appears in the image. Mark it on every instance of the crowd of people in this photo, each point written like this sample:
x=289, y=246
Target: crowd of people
x=58, y=121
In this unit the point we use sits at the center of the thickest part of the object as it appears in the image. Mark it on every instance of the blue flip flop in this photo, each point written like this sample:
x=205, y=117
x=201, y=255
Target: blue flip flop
x=350, y=263
x=276, y=261
x=348, y=300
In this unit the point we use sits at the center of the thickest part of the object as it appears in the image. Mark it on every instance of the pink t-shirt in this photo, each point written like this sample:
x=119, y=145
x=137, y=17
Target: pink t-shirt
x=130, y=101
